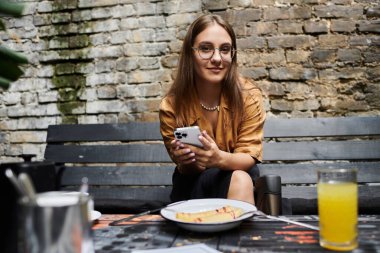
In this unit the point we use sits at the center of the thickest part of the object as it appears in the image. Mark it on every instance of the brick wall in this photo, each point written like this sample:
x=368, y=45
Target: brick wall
x=104, y=61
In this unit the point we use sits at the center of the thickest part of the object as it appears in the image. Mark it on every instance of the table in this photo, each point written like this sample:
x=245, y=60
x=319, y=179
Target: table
x=253, y=235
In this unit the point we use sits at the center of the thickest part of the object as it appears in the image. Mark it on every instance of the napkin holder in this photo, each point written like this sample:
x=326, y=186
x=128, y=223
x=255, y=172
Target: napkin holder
x=268, y=194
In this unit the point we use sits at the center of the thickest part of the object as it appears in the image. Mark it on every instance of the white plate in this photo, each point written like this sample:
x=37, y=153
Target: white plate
x=95, y=215
x=200, y=205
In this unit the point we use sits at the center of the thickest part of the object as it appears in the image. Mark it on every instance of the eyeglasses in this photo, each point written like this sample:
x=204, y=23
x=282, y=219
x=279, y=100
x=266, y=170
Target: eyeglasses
x=206, y=52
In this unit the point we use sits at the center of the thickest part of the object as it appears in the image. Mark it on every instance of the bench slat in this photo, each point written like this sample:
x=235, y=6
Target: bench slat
x=107, y=154
x=284, y=151
x=310, y=192
x=152, y=193
x=304, y=199
x=131, y=131
x=301, y=195
x=161, y=175
x=315, y=127
x=274, y=127
x=120, y=175
x=368, y=172
x=322, y=150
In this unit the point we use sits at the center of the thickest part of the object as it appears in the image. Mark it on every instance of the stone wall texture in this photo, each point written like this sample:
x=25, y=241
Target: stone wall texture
x=108, y=61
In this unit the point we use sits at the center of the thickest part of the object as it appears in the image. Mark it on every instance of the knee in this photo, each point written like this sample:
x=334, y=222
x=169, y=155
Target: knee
x=241, y=179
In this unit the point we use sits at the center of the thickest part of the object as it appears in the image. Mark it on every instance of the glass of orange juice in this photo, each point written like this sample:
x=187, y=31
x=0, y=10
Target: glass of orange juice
x=338, y=208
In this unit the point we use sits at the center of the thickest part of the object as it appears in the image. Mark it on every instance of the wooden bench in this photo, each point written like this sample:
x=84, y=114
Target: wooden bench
x=295, y=148
x=129, y=169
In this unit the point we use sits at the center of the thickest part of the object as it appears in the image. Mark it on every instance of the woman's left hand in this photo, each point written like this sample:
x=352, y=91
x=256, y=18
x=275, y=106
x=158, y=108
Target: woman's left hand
x=210, y=156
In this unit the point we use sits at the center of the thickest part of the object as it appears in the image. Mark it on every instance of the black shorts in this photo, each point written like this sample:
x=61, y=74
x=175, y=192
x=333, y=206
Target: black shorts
x=212, y=183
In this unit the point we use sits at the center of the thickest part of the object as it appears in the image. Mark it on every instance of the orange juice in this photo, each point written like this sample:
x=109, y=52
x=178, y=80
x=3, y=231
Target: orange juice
x=338, y=215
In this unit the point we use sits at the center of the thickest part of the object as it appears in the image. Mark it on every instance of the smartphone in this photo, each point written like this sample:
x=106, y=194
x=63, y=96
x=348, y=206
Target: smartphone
x=188, y=135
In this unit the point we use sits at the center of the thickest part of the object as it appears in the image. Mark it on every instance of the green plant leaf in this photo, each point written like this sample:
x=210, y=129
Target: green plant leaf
x=10, y=70
x=12, y=56
x=4, y=83
x=12, y=9
x=2, y=26
x=9, y=60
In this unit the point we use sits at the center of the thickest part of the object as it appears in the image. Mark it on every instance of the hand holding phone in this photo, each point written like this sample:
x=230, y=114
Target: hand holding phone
x=189, y=135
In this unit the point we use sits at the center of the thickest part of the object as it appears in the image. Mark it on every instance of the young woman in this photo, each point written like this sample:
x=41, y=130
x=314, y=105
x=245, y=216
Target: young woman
x=208, y=92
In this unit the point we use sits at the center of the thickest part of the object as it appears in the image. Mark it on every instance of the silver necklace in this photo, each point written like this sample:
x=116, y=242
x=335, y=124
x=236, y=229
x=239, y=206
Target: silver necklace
x=210, y=108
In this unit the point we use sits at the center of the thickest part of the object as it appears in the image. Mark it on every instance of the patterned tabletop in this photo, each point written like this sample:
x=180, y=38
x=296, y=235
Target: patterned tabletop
x=254, y=235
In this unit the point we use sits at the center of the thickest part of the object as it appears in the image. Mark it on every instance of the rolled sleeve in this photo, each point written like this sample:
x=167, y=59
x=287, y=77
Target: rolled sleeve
x=167, y=122
x=250, y=132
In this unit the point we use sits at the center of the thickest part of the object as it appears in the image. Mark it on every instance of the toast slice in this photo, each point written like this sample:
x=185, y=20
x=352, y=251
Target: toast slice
x=225, y=213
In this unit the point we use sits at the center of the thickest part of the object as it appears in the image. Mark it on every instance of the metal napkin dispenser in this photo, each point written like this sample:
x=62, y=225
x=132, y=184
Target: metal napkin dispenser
x=268, y=194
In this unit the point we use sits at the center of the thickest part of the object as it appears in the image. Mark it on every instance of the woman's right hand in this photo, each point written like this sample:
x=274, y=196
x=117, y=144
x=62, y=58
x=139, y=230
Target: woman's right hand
x=184, y=157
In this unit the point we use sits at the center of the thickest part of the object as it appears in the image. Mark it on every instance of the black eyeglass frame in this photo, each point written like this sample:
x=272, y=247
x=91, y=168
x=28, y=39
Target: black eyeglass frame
x=221, y=56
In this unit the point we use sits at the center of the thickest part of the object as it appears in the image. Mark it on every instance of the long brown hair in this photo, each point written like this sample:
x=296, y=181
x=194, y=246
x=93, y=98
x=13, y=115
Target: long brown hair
x=184, y=89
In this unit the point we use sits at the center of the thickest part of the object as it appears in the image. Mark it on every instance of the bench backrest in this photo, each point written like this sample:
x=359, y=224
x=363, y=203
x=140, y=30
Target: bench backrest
x=296, y=148
x=126, y=164
x=129, y=161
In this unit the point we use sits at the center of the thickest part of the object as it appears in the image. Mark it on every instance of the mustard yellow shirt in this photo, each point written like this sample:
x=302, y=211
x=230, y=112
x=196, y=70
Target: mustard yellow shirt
x=234, y=137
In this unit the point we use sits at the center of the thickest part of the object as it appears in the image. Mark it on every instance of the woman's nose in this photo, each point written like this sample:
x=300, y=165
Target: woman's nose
x=216, y=57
